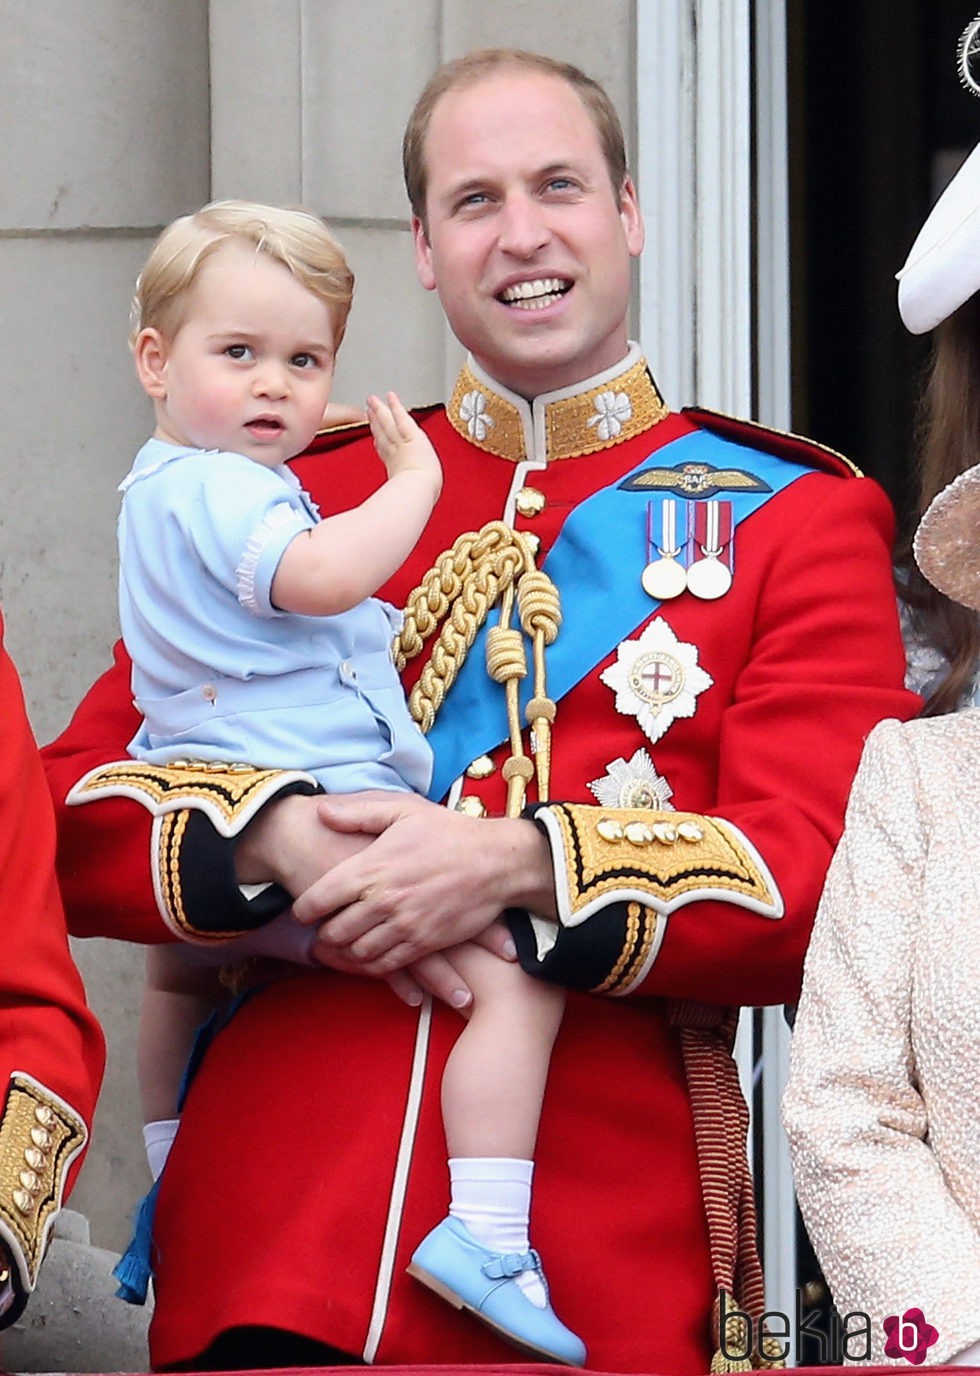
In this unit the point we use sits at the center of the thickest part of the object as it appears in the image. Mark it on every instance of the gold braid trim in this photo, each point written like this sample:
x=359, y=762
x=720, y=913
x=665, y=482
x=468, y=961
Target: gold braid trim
x=674, y=856
x=483, y=567
x=596, y=418
x=641, y=929
x=736, y=1338
x=230, y=794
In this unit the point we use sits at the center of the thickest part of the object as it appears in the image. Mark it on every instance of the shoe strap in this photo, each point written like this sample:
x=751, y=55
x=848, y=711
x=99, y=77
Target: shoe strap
x=504, y=1265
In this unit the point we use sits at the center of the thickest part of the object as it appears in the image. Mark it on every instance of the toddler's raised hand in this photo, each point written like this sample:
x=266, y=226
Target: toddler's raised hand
x=401, y=444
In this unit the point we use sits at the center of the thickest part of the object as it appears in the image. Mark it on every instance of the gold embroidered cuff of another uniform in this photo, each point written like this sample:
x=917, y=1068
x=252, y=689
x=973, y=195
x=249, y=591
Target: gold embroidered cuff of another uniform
x=230, y=794
x=664, y=860
x=40, y=1136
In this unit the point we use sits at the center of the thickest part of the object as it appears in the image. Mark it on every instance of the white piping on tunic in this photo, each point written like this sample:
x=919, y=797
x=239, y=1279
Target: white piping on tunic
x=396, y=1204
x=399, y=1186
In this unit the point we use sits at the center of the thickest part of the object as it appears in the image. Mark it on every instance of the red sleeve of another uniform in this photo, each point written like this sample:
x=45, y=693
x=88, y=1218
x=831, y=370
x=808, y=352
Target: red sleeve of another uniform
x=51, y=1048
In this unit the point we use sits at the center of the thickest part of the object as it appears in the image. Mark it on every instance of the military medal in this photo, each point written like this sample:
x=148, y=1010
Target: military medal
x=656, y=679
x=665, y=577
x=710, y=576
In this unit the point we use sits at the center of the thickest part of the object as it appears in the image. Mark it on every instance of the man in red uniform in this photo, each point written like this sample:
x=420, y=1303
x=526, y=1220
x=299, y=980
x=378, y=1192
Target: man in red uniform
x=713, y=638
x=51, y=1048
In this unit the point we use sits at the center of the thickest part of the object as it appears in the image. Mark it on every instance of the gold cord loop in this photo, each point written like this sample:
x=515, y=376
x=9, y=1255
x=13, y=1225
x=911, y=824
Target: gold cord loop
x=506, y=659
x=483, y=567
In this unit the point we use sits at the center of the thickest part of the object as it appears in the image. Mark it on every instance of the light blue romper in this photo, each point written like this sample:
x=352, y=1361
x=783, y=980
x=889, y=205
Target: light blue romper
x=218, y=672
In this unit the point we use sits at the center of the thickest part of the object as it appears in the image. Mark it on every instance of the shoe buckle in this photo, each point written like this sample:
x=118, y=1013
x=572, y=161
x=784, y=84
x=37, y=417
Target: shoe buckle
x=505, y=1265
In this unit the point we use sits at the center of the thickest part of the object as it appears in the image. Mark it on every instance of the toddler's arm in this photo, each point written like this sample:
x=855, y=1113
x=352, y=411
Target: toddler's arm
x=347, y=557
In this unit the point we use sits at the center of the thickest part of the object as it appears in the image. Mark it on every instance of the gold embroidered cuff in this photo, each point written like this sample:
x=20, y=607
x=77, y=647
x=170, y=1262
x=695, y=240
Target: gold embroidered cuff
x=229, y=794
x=199, y=808
x=664, y=859
x=636, y=866
x=40, y=1136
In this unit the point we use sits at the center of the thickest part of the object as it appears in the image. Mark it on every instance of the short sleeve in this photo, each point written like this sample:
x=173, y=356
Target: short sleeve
x=244, y=517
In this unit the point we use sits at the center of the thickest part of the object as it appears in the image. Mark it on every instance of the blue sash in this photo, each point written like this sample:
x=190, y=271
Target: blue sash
x=595, y=564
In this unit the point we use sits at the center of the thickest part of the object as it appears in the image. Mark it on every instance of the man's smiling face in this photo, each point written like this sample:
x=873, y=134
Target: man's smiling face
x=528, y=244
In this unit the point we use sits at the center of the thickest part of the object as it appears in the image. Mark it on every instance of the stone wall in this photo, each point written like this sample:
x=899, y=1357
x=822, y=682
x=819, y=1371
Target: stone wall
x=119, y=115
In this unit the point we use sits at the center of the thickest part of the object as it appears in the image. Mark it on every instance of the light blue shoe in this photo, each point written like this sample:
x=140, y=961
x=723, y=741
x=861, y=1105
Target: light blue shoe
x=451, y=1262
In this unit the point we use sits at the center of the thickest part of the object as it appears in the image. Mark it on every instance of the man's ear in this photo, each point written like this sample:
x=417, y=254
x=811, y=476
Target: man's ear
x=150, y=357
x=629, y=213
x=423, y=255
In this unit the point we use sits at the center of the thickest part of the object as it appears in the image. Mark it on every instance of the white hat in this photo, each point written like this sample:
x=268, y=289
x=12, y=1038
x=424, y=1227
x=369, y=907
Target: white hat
x=943, y=267
x=947, y=542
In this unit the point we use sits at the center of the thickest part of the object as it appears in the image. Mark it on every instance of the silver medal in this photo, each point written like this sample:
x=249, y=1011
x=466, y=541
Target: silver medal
x=709, y=578
x=633, y=783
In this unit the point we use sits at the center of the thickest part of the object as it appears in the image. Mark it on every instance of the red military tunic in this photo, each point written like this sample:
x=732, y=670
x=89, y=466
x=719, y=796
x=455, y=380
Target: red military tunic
x=51, y=1048
x=311, y=1157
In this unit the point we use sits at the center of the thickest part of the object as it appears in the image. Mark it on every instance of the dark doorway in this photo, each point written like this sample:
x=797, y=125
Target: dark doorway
x=878, y=123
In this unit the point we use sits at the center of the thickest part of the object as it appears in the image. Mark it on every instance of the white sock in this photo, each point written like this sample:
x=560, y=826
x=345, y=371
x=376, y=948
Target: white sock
x=491, y=1196
x=158, y=1138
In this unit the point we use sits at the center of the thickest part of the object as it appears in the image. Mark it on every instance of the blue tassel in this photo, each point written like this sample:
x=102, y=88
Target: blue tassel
x=133, y=1270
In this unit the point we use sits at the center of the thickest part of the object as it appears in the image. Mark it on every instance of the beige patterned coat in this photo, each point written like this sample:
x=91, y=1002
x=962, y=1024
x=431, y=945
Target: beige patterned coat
x=883, y=1104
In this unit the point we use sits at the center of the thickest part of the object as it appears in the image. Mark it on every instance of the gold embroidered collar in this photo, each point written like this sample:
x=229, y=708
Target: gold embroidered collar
x=600, y=413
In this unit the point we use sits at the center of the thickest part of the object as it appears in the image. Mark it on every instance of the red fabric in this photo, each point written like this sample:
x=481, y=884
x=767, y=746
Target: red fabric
x=280, y=1177
x=46, y=1029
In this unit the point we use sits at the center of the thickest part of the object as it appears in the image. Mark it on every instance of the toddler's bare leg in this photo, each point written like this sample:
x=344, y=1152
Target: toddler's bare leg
x=494, y=1080
x=178, y=997
x=492, y=1090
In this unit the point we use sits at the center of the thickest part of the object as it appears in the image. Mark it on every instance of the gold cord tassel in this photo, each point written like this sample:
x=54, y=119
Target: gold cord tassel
x=540, y=613
x=771, y=1357
x=737, y=1338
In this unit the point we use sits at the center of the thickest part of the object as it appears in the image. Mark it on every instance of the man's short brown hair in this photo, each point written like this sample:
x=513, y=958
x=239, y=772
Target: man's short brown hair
x=467, y=71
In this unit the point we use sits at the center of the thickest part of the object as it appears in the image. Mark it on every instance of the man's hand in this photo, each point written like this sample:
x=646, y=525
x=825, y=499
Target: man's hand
x=299, y=841
x=430, y=879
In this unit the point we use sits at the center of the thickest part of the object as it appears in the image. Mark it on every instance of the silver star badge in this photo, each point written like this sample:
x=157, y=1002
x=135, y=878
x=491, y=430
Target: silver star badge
x=633, y=783
x=656, y=679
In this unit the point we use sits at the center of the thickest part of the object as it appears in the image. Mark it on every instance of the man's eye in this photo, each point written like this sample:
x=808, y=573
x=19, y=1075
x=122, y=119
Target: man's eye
x=238, y=351
x=561, y=184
